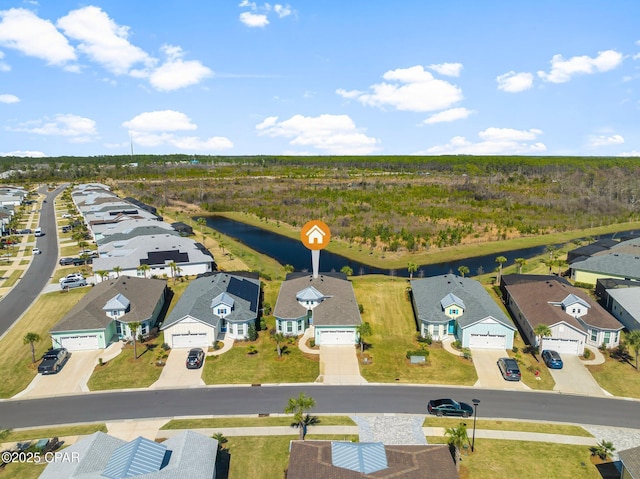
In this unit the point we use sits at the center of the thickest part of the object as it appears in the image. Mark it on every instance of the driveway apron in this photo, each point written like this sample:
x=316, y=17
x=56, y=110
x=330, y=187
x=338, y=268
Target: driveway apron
x=339, y=365
x=175, y=373
x=574, y=378
x=489, y=377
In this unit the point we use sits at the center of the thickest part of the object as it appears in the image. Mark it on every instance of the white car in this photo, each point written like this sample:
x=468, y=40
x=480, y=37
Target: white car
x=36, y=251
x=72, y=276
x=67, y=215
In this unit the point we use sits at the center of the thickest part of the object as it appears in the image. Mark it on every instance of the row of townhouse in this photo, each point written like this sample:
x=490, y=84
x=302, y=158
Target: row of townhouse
x=10, y=198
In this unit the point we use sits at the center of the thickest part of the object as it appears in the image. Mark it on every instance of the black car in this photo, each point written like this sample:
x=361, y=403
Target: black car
x=195, y=359
x=53, y=360
x=509, y=369
x=449, y=407
x=66, y=261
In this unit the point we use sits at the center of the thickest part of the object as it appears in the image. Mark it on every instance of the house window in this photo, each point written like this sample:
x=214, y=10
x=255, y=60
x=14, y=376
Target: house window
x=594, y=335
x=118, y=327
x=453, y=311
x=289, y=326
x=221, y=311
x=240, y=329
x=300, y=325
x=573, y=310
x=145, y=329
x=140, y=272
x=607, y=337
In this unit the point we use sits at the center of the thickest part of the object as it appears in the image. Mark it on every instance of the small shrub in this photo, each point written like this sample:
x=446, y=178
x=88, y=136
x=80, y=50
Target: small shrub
x=514, y=349
x=466, y=353
x=360, y=308
x=165, y=346
x=418, y=352
x=251, y=349
x=252, y=333
x=100, y=362
x=312, y=343
x=586, y=354
x=217, y=345
x=457, y=344
x=266, y=309
x=603, y=347
x=263, y=325
x=424, y=339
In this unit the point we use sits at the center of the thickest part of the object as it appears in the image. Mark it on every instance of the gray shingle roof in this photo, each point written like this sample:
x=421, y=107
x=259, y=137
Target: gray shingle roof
x=428, y=294
x=629, y=299
x=614, y=264
x=340, y=307
x=87, y=314
x=129, y=233
x=631, y=460
x=196, y=300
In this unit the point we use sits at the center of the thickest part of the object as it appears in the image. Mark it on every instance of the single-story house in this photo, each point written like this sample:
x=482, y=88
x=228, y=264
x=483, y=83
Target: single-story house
x=103, y=315
x=572, y=316
x=352, y=460
x=182, y=228
x=450, y=305
x=218, y=303
x=187, y=455
x=625, y=306
x=583, y=252
x=326, y=302
x=630, y=460
x=621, y=261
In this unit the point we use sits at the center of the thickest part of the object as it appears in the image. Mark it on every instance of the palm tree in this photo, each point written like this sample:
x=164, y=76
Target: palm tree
x=175, y=270
x=457, y=437
x=542, y=331
x=31, y=339
x=500, y=260
x=134, y=326
x=520, y=262
x=117, y=270
x=412, y=268
x=298, y=406
x=463, y=270
x=603, y=449
x=201, y=222
x=144, y=269
x=103, y=274
x=279, y=338
x=347, y=270
x=222, y=440
x=363, y=330
x=633, y=340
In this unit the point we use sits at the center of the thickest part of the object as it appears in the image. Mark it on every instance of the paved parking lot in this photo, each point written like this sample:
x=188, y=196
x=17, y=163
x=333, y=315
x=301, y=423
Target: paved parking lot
x=488, y=372
x=574, y=378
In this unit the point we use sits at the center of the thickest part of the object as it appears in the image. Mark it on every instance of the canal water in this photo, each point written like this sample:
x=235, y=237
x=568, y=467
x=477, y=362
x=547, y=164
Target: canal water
x=289, y=251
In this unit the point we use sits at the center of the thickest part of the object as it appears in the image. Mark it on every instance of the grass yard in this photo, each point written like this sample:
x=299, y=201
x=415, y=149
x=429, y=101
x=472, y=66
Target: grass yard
x=62, y=431
x=69, y=251
x=15, y=356
x=123, y=372
x=620, y=378
x=237, y=367
x=525, y=460
x=19, y=470
x=253, y=421
x=13, y=278
x=390, y=314
x=529, y=365
x=541, y=427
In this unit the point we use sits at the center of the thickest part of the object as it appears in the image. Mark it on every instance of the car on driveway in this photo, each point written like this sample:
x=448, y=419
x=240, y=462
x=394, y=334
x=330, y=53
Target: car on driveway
x=449, y=407
x=509, y=369
x=72, y=283
x=67, y=215
x=53, y=360
x=70, y=276
x=36, y=251
x=552, y=359
x=66, y=261
x=195, y=358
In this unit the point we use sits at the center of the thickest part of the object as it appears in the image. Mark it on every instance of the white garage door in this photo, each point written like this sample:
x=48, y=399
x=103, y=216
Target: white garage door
x=194, y=340
x=337, y=337
x=488, y=341
x=562, y=346
x=81, y=342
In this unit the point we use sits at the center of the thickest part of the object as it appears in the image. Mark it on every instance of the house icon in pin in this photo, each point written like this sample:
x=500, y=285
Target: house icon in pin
x=315, y=235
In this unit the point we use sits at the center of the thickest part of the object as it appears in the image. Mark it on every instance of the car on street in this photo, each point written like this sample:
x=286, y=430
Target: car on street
x=509, y=369
x=195, y=358
x=552, y=359
x=65, y=261
x=449, y=407
x=72, y=283
x=36, y=251
x=53, y=360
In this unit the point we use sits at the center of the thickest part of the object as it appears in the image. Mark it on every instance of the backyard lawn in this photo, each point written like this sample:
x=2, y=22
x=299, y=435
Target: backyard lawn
x=388, y=310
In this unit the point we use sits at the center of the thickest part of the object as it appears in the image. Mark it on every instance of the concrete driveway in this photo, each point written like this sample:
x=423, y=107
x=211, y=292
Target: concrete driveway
x=574, y=378
x=71, y=379
x=176, y=375
x=339, y=365
x=489, y=376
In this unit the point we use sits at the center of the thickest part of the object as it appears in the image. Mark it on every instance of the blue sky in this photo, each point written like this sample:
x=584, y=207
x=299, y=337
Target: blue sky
x=322, y=78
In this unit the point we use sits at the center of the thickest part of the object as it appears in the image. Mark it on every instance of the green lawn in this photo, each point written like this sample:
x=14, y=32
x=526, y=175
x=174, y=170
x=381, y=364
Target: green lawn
x=13, y=278
x=528, y=366
x=124, y=372
x=237, y=367
x=254, y=421
x=62, y=431
x=19, y=470
x=494, y=459
x=15, y=356
x=388, y=310
x=493, y=425
x=617, y=377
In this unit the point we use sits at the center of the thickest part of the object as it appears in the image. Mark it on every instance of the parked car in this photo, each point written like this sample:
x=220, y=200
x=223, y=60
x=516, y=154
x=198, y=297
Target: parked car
x=552, y=359
x=65, y=261
x=67, y=215
x=82, y=261
x=509, y=369
x=66, y=229
x=53, y=360
x=72, y=276
x=449, y=407
x=72, y=283
x=195, y=358
x=36, y=251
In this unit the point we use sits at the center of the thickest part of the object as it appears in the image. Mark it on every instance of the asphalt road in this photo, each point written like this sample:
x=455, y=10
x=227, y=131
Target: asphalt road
x=39, y=272
x=98, y=407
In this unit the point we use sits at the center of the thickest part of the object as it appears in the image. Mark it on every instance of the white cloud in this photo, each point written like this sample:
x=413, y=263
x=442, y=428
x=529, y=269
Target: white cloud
x=177, y=73
x=513, y=82
x=102, y=40
x=604, y=140
x=78, y=128
x=448, y=69
x=331, y=134
x=156, y=128
x=630, y=153
x=254, y=19
x=282, y=10
x=24, y=31
x=448, y=115
x=3, y=66
x=8, y=98
x=408, y=89
x=562, y=70
x=24, y=154
x=495, y=141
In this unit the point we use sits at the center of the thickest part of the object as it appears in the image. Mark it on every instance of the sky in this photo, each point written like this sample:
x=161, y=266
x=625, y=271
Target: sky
x=402, y=77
